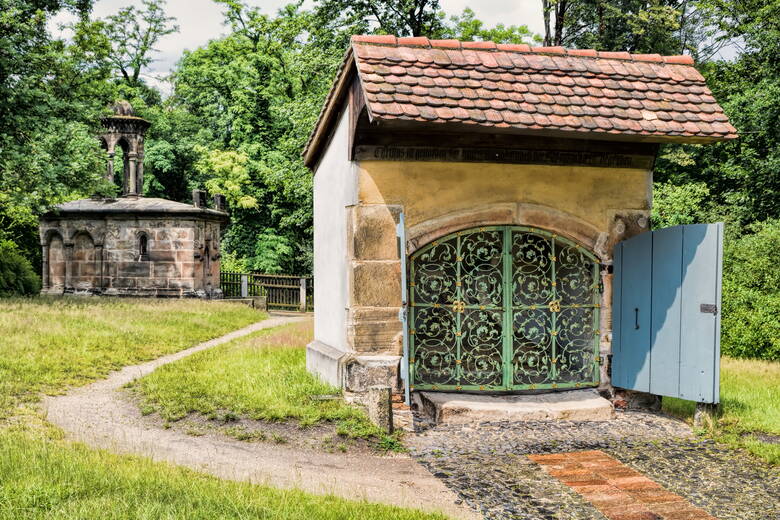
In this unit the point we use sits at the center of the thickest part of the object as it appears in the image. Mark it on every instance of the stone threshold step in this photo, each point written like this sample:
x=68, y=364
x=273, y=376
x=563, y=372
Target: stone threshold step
x=574, y=405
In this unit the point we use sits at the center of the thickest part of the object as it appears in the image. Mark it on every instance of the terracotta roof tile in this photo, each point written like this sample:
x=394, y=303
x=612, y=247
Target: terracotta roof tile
x=540, y=88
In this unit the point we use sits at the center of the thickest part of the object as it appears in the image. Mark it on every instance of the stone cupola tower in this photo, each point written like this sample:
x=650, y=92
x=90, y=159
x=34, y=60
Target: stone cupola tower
x=124, y=130
x=132, y=245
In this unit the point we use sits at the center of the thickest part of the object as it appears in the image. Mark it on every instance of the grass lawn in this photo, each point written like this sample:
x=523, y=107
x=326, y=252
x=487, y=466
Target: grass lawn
x=53, y=480
x=262, y=376
x=750, y=401
x=48, y=345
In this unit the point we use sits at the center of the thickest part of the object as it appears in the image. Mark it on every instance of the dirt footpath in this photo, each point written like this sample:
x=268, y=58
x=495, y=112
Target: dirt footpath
x=102, y=416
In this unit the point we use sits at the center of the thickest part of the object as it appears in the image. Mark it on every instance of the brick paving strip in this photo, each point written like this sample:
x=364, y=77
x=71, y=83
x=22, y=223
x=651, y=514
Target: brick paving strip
x=618, y=491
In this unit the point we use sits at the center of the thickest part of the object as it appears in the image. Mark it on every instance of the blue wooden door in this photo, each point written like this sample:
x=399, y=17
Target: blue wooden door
x=666, y=319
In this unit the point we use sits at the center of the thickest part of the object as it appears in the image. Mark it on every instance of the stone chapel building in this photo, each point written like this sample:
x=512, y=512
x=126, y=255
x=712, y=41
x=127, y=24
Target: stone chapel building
x=132, y=245
x=509, y=174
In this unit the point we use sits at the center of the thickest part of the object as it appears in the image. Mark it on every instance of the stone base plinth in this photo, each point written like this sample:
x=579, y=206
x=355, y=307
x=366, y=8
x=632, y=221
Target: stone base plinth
x=575, y=405
x=362, y=372
x=351, y=371
x=325, y=362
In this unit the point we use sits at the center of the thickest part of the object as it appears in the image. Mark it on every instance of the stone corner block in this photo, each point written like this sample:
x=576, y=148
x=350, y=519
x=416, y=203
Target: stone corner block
x=373, y=235
x=376, y=284
x=363, y=372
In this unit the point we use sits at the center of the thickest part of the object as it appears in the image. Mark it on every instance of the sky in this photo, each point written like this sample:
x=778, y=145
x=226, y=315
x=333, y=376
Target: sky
x=201, y=20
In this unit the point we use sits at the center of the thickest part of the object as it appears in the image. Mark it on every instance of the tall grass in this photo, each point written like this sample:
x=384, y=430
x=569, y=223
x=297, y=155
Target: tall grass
x=53, y=481
x=750, y=406
x=262, y=376
x=49, y=344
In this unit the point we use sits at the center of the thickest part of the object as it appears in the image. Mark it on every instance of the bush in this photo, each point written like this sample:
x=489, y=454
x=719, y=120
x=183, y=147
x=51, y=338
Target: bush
x=751, y=293
x=17, y=277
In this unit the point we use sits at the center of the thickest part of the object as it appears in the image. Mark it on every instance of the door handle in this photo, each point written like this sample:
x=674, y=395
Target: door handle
x=636, y=318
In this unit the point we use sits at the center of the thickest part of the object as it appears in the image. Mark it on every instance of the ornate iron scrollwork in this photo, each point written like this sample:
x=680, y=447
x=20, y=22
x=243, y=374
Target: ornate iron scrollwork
x=504, y=308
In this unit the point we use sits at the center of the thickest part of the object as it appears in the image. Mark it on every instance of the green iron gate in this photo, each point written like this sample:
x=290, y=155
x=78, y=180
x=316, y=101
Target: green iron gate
x=503, y=308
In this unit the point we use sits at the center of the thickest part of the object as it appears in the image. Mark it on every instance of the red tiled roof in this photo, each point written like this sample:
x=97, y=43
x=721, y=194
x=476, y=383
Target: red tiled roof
x=577, y=91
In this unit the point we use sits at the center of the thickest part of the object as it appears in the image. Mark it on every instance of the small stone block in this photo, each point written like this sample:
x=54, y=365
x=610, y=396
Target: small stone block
x=380, y=410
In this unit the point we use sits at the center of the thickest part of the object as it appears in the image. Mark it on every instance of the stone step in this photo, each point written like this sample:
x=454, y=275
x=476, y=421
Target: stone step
x=574, y=405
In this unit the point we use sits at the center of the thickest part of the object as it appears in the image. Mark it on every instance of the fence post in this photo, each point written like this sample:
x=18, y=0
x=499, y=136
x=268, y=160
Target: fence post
x=244, y=286
x=303, y=295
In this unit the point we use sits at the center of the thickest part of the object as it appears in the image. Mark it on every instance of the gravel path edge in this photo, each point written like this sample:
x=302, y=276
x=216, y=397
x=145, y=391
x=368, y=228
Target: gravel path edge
x=101, y=416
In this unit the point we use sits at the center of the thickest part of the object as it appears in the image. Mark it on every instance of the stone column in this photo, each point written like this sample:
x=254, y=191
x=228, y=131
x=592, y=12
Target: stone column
x=139, y=174
x=99, y=266
x=374, y=331
x=132, y=159
x=110, y=167
x=605, y=327
x=380, y=407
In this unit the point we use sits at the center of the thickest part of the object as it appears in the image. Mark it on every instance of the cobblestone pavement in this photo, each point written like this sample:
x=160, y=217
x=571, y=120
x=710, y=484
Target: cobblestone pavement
x=487, y=466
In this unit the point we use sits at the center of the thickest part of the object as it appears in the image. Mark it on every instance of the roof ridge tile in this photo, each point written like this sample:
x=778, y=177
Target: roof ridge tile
x=478, y=45
x=522, y=48
x=414, y=41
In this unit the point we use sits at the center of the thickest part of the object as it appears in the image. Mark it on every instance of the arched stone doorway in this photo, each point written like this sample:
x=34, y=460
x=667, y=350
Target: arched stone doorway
x=503, y=308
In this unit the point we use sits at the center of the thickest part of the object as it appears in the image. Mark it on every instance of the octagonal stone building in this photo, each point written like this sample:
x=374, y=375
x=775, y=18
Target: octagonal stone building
x=132, y=245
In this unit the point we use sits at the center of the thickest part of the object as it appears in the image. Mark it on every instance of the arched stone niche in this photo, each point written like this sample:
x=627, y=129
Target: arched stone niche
x=84, y=264
x=55, y=260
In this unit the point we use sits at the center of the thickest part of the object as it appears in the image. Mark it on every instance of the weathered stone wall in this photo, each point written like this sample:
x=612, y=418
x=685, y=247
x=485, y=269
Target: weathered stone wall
x=104, y=256
x=594, y=207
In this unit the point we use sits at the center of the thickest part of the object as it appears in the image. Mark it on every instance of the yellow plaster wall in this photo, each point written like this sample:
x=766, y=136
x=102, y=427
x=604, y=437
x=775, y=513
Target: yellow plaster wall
x=429, y=190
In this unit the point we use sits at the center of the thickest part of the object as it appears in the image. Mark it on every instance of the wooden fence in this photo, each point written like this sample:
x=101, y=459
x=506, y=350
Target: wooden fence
x=281, y=291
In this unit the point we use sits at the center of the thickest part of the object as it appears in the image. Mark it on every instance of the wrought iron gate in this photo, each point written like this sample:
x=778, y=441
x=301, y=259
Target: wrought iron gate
x=503, y=308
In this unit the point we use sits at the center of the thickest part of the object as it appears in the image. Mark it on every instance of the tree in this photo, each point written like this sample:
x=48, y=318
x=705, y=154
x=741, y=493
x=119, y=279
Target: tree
x=467, y=27
x=257, y=93
x=52, y=94
x=134, y=33
x=642, y=26
x=398, y=17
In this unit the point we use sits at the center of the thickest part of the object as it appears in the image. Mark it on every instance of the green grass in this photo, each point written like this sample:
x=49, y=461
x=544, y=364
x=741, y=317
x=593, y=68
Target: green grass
x=262, y=376
x=55, y=481
x=750, y=404
x=49, y=344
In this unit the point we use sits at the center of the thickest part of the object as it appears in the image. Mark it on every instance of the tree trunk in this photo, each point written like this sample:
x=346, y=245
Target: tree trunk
x=560, y=18
x=546, y=12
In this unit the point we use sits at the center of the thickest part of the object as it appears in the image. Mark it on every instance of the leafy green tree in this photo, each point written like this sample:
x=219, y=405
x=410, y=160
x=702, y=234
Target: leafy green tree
x=675, y=205
x=751, y=293
x=52, y=94
x=641, y=26
x=17, y=277
x=398, y=17
x=467, y=27
x=133, y=34
x=256, y=93
x=743, y=174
